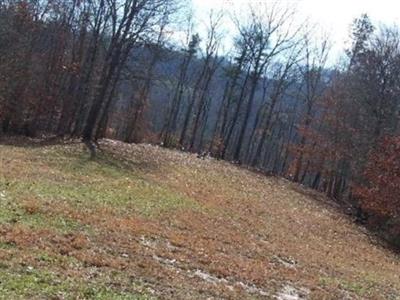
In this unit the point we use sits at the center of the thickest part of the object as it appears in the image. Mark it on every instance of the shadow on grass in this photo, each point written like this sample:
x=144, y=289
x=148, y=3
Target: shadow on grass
x=109, y=159
x=104, y=156
x=27, y=142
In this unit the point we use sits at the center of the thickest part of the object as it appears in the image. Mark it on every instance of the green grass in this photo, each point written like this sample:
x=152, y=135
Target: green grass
x=359, y=288
x=157, y=216
x=58, y=175
x=29, y=283
x=69, y=176
x=12, y=212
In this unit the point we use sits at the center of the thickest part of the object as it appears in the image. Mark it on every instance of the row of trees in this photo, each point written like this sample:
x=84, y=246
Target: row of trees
x=114, y=68
x=62, y=61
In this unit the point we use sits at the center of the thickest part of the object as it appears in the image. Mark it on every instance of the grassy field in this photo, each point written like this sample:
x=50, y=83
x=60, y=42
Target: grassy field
x=143, y=222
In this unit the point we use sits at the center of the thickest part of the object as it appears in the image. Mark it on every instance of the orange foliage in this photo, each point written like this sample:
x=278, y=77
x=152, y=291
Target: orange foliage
x=382, y=193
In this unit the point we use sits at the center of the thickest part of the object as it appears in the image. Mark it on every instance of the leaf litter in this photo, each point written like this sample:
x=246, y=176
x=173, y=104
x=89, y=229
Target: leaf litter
x=245, y=236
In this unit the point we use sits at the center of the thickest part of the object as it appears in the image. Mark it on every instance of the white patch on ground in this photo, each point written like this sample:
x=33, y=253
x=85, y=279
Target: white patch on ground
x=2, y=195
x=213, y=279
x=209, y=278
x=252, y=289
x=151, y=244
x=289, y=292
x=171, y=247
x=165, y=261
x=287, y=262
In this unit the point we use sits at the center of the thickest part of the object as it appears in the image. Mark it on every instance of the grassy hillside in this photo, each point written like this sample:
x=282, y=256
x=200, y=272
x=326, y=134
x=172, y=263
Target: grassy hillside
x=142, y=222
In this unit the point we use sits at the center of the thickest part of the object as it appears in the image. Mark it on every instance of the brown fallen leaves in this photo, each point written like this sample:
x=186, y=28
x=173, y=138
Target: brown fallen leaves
x=250, y=237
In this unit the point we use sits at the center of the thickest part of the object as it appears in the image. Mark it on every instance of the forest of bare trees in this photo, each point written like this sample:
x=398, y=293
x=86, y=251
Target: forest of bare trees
x=274, y=102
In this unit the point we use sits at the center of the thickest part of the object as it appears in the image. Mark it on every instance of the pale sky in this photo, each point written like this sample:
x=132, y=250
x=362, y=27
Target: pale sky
x=333, y=16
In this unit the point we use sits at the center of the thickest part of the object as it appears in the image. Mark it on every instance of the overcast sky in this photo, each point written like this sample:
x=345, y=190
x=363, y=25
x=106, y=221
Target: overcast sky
x=334, y=16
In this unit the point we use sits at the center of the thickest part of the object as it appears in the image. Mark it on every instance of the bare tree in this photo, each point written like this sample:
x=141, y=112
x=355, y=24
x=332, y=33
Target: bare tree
x=129, y=22
x=266, y=36
x=282, y=80
x=191, y=48
x=312, y=72
x=211, y=61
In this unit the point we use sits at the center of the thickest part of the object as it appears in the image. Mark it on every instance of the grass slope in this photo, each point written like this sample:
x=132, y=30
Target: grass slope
x=142, y=222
